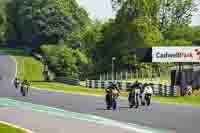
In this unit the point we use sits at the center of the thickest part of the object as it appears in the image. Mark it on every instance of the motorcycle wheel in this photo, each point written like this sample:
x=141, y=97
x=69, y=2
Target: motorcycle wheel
x=131, y=102
x=108, y=102
x=137, y=103
x=131, y=105
x=148, y=101
x=143, y=103
x=23, y=92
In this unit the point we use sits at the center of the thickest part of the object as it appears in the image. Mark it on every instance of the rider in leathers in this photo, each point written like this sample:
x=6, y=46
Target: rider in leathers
x=134, y=93
x=112, y=93
x=16, y=83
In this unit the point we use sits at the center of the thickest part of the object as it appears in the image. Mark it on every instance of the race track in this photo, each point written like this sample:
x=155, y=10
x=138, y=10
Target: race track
x=171, y=117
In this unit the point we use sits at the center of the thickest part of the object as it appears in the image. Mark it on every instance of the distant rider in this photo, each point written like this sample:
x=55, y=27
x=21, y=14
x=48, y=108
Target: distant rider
x=25, y=87
x=16, y=83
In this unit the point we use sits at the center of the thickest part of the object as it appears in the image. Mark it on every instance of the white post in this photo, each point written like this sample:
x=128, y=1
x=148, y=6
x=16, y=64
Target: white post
x=121, y=76
x=113, y=71
x=126, y=76
x=131, y=75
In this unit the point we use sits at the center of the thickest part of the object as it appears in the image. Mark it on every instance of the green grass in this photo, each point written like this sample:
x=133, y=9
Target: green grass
x=27, y=67
x=8, y=129
x=71, y=89
x=193, y=100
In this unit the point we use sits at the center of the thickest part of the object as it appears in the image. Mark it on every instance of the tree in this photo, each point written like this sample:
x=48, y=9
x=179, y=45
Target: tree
x=44, y=20
x=176, y=12
x=3, y=23
x=145, y=34
x=61, y=60
x=34, y=18
x=179, y=35
x=196, y=40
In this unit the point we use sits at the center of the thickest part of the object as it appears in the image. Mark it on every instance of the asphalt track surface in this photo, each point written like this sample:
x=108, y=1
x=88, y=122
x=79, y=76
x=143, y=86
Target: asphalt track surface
x=176, y=118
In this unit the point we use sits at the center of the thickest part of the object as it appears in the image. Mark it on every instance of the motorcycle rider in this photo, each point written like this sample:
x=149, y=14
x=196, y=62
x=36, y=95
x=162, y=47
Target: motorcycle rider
x=25, y=87
x=142, y=95
x=16, y=83
x=148, y=92
x=112, y=93
x=134, y=93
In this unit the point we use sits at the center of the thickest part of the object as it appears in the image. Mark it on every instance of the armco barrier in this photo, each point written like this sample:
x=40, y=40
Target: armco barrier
x=93, y=83
x=158, y=89
x=67, y=81
x=155, y=89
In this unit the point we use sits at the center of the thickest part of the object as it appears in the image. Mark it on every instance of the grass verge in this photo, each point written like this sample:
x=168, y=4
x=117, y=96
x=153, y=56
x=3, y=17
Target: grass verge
x=8, y=129
x=27, y=67
x=192, y=100
x=71, y=89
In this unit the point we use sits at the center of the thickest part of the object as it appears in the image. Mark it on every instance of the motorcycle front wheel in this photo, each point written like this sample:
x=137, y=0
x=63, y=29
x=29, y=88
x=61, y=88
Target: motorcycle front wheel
x=148, y=100
x=137, y=103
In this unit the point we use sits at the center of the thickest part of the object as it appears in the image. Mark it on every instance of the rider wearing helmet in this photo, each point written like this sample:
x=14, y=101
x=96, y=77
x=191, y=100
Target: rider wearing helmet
x=25, y=87
x=134, y=92
x=112, y=93
x=16, y=82
x=148, y=92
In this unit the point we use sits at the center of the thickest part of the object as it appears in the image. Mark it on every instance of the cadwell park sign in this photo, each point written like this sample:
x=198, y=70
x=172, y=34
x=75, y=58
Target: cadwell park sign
x=175, y=54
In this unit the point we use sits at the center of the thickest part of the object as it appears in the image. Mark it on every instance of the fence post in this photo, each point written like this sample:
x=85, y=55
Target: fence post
x=121, y=76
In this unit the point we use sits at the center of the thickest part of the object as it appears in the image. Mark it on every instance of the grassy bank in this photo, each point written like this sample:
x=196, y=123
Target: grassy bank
x=27, y=67
x=8, y=129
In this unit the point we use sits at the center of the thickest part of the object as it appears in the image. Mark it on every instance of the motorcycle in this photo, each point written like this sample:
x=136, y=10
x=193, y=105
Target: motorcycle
x=148, y=92
x=133, y=99
x=111, y=96
x=16, y=85
x=24, y=90
x=148, y=99
x=142, y=99
x=109, y=99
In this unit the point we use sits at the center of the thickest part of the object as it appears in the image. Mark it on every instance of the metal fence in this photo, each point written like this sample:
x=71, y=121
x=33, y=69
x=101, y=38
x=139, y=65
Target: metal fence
x=158, y=89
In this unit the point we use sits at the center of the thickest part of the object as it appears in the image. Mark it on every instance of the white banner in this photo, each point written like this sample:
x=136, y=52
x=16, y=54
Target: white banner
x=176, y=54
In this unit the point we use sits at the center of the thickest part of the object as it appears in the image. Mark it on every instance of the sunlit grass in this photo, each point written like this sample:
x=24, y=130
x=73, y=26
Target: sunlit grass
x=8, y=129
x=27, y=67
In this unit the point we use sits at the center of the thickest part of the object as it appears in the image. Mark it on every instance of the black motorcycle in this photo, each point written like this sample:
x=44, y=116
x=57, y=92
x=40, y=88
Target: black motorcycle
x=142, y=99
x=24, y=90
x=109, y=99
x=148, y=99
x=133, y=99
x=16, y=85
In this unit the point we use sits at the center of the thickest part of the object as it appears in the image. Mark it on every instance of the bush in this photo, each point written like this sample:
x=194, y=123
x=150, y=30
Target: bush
x=61, y=60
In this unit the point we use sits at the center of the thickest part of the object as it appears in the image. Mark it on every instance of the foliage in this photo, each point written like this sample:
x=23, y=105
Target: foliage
x=27, y=67
x=3, y=22
x=65, y=61
x=61, y=60
x=138, y=24
x=145, y=33
x=44, y=20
